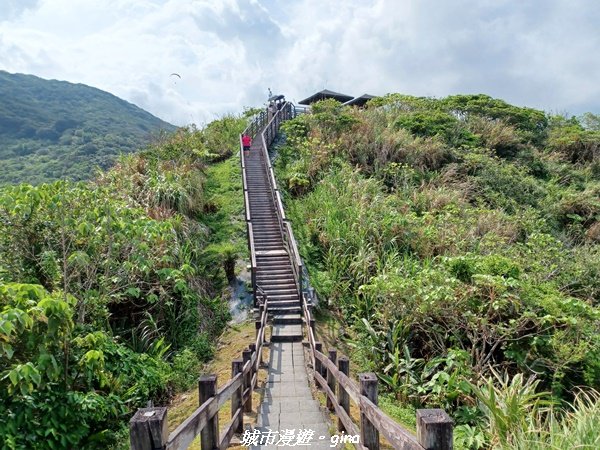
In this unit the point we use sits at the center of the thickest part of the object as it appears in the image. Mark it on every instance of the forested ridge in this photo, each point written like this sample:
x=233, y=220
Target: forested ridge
x=53, y=129
x=457, y=242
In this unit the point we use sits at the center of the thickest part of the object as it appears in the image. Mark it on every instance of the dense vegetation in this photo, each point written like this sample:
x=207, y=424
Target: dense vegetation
x=112, y=291
x=459, y=241
x=53, y=129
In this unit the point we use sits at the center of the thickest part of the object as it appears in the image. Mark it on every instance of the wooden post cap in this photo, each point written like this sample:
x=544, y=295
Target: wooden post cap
x=148, y=428
x=434, y=429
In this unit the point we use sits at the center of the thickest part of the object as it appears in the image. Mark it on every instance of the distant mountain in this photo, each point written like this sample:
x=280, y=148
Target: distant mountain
x=54, y=129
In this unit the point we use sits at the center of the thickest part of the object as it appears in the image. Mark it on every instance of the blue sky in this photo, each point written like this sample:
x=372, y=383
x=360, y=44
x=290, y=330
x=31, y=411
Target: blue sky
x=539, y=53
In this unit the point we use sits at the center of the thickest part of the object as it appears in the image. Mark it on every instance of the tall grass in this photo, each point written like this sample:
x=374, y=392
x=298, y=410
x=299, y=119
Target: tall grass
x=576, y=427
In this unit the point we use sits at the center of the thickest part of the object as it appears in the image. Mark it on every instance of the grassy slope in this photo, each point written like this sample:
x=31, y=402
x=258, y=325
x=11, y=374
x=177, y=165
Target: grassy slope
x=228, y=236
x=230, y=346
x=390, y=206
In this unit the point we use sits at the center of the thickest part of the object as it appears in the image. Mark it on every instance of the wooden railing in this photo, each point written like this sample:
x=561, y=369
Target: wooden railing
x=286, y=112
x=148, y=427
x=331, y=373
x=266, y=130
x=256, y=124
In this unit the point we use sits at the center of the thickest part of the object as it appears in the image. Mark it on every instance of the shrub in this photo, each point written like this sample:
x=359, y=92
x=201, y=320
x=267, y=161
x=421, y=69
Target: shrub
x=574, y=143
x=496, y=135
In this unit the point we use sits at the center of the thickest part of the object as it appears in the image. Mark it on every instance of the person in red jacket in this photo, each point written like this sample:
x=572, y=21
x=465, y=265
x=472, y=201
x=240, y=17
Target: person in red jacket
x=246, y=142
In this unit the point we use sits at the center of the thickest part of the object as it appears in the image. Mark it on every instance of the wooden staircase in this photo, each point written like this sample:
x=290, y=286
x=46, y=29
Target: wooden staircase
x=274, y=272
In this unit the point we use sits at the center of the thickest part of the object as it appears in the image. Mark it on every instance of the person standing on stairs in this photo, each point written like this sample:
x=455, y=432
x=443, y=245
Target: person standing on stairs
x=246, y=142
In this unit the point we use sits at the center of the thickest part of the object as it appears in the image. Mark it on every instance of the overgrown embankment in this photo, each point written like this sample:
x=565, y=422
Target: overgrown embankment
x=112, y=292
x=458, y=239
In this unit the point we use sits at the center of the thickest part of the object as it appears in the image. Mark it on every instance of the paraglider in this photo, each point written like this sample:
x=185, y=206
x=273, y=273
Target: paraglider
x=174, y=77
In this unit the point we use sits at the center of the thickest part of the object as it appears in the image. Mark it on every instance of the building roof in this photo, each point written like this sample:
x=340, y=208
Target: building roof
x=324, y=94
x=276, y=97
x=360, y=101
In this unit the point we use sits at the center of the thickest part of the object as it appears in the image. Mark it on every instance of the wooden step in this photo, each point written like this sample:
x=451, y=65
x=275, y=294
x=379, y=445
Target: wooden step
x=276, y=278
x=277, y=304
x=284, y=309
x=278, y=291
x=284, y=297
x=287, y=319
x=286, y=333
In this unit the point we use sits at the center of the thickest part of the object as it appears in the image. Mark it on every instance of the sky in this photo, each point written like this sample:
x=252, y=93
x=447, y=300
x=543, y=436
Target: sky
x=228, y=53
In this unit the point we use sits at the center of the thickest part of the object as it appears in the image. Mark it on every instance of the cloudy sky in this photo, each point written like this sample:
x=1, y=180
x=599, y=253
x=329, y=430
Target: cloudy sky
x=540, y=53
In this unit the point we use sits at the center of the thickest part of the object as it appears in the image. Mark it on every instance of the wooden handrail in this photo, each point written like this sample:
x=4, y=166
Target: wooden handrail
x=435, y=434
x=200, y=419
x=187, y=431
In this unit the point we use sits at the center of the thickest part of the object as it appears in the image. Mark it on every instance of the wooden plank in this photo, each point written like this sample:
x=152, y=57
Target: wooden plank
x=271, y=253
x=230, y=430
x=348, y=384
x=246, y=395
x=242, y=158
x=251, y=242
x=247, y=206
x=322, y=382
x=395, y=434
x=279, y=202
x=185, y=433
x=244, y=179
x=227, y=390
x=294, y=245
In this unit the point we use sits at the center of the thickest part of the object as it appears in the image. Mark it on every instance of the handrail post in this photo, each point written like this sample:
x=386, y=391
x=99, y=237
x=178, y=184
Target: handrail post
x=257, y=326
x=318, y=369
x=369, y=435
x=331, y=378
x=236, y=398
x=148, y=429
x=300, y=277
x=343, y=397
x=434, y=429
x=246, y=356
x=253, y=281
x=207, y=388
x=252, y=348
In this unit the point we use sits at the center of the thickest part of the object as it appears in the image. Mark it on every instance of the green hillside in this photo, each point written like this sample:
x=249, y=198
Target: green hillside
x=54, y=129
x=113, y=291
x=456, y=242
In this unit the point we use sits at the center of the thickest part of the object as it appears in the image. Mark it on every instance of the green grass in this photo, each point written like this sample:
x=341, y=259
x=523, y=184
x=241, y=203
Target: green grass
x=225, y=205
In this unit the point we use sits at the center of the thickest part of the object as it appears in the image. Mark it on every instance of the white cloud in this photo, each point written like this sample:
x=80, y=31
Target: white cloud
x=541, y=53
